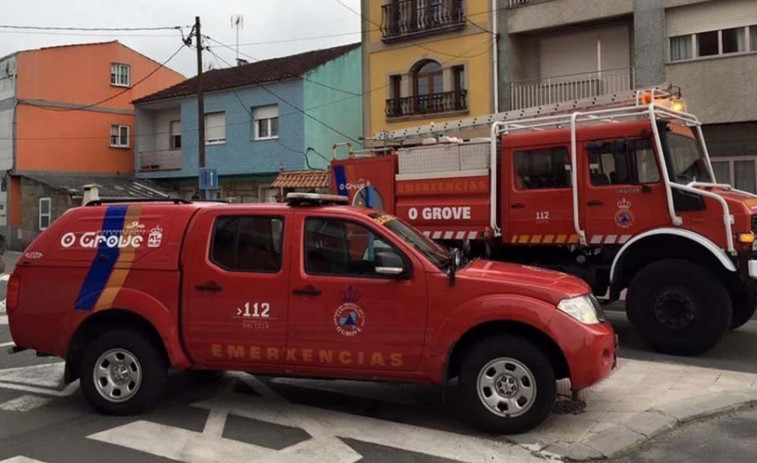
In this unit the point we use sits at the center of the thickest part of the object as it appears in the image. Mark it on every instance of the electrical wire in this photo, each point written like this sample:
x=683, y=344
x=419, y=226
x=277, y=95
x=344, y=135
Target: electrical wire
x=290, y=104
x=115, y=95
x=117, y=29
x=264, y=63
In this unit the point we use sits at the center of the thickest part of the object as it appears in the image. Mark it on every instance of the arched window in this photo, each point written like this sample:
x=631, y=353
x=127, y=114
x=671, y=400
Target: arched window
x=427, y=78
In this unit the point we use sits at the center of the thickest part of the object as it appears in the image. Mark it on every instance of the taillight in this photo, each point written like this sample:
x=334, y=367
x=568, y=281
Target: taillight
x=11, y=296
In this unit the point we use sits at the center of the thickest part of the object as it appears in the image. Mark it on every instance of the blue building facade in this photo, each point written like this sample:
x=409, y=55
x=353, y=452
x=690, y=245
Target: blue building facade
x=253, y=129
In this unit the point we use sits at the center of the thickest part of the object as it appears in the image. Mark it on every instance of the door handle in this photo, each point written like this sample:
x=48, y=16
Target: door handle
x=517, y=206
x=308, y=290
x=594, y=203
x=212, y=287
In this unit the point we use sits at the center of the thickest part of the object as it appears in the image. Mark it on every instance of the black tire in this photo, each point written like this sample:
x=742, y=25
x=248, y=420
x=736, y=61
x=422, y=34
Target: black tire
x=522, y=351
x=149, y=360
x=678, y=307
x=744, y=306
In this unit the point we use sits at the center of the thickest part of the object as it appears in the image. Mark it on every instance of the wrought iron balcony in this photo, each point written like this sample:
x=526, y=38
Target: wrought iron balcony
x=151, y=161
x=410, y=18
x=427, y=104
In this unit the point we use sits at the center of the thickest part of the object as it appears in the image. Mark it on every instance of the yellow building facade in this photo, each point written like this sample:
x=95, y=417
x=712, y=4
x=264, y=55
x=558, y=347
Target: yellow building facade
x=426, y=61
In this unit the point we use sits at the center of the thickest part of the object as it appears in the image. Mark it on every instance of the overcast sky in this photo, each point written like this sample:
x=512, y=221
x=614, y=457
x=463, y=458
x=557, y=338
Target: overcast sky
x=264, y=21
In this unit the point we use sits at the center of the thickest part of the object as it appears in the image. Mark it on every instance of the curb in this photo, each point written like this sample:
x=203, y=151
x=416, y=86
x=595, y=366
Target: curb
x=621, y=439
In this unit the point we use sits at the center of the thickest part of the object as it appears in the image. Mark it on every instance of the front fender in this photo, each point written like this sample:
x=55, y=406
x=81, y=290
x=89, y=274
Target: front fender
x=164, y=320
x=485, y=309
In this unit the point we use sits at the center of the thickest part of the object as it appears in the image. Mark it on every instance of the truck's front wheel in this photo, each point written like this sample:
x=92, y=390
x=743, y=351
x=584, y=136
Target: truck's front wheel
x=122, y=372
x=679, y=307
x=507, y=385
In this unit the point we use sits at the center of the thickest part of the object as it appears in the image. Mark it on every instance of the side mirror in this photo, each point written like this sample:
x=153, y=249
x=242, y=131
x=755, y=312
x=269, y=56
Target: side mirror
x=389, y=263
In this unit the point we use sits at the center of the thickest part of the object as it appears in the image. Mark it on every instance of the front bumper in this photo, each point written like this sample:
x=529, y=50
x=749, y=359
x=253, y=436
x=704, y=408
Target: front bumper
x=590, y=350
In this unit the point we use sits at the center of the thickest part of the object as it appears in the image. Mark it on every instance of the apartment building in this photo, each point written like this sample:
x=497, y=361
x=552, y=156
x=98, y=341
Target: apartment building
x=557, y=50
x=426, y=61
x=66, y=120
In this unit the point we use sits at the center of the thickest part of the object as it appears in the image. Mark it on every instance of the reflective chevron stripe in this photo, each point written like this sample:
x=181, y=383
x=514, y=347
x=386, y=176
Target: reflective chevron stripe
x=568, y=239
x=453, y=235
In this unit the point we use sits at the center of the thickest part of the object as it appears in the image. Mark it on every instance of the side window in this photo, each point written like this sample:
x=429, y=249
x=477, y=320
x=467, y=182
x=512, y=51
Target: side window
x=623, y=162
x=247, y=243
x=337, y=247
x=542, y=169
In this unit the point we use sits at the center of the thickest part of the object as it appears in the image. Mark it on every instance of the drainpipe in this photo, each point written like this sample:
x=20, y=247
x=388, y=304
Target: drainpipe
x=495, y=61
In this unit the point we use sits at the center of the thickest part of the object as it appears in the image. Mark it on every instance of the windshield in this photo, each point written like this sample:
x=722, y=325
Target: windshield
x=432, y=251
x=688, y=161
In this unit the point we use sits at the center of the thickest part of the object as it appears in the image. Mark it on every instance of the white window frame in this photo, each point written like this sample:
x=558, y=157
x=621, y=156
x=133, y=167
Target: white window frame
x=49, y=214
x=749, y=48
x=219, y=140
x=172, y=125
x=731, y=160
x=118, y=143
x=120, y=75
x=267, y=120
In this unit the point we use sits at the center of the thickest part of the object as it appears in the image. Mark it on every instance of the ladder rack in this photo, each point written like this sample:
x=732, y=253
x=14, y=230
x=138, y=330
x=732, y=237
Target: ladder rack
x=637, y=98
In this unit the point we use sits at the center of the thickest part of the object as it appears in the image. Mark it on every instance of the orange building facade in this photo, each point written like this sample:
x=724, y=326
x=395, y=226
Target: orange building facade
x=67, y=110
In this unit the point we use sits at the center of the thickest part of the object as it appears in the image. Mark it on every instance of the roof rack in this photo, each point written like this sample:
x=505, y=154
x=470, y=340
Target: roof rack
x=315, y=199
x=100, y=202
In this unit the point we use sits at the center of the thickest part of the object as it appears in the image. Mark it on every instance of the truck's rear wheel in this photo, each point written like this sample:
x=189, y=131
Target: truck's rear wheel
x=679, y=307
x=507, y=385
x=122, y=372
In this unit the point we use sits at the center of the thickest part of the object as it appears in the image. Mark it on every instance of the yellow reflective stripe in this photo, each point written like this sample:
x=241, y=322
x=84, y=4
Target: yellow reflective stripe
x=548, y=239
x=523, y=239
x=515, y=239
x=573, y=239
x=536, y=239
x=561, y=239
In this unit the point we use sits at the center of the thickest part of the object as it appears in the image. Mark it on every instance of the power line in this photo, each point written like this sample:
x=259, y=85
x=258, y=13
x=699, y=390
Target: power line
x=304, y=78
x=73, y=34
x=118, y=29
x=301, y=39
x=115, y=95
x=293, y=106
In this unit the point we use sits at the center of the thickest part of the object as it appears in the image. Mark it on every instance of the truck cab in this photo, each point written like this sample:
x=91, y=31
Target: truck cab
x=308, y=289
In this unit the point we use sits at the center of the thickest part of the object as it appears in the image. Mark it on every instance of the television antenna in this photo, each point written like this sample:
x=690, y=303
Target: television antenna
x=237, y=22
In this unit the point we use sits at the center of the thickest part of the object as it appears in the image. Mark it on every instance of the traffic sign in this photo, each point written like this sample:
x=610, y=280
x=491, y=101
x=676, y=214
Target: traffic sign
x=208, y=179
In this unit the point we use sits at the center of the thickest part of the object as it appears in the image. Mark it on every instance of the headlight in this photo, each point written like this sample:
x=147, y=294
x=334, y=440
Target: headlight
x=585, y=309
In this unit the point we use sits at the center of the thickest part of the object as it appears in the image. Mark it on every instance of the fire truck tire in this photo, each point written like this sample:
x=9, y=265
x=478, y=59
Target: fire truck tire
x=507, y=385
x=744, y=307
x=679, y=307
x=122, y=372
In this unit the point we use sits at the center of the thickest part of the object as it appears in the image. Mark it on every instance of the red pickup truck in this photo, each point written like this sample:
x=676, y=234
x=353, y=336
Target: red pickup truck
x=125, y=291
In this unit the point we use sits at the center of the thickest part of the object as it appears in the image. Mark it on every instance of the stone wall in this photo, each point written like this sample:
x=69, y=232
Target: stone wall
x=31, y=191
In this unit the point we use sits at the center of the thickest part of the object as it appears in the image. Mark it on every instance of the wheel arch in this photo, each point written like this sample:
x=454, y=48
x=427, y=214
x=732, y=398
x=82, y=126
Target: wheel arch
x=667, y=243
x=499, y=327
x=101, y=322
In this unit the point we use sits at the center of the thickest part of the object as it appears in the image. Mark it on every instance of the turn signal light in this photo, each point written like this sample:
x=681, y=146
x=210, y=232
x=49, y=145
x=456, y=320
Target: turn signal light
x=745, y=238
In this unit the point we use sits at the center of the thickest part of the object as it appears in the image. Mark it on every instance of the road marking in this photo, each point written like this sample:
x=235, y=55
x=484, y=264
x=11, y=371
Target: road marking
x=6, y=344
x=372, y=391
x=325, y=425
x=24, y=403
x=3, y=319
x=5, y=277
x=215, y=423
x=39, y=379
x=21, y=459
x=180, y=444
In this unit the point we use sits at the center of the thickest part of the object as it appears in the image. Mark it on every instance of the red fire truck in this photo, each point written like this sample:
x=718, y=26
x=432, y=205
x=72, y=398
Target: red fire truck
x=619, y=191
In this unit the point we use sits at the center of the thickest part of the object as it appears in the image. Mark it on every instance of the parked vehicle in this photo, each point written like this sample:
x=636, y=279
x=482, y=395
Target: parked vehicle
x=617, y=190
x=124, y=291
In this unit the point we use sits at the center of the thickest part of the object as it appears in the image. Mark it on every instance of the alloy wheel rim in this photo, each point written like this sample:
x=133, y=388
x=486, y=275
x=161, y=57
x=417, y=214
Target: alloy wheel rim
x=117, y=375
x=506, y=387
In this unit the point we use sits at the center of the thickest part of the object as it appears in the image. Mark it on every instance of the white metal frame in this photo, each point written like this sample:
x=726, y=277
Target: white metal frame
x=49, y=214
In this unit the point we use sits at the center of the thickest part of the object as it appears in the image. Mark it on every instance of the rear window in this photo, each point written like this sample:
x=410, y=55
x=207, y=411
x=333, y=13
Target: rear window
x=248, y=243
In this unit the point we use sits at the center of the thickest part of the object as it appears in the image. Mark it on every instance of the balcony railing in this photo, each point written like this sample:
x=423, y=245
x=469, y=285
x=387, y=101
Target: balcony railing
x=409, y=18
x=427, y=104
x=539, y=92
x=513, y=3
x=158, y=160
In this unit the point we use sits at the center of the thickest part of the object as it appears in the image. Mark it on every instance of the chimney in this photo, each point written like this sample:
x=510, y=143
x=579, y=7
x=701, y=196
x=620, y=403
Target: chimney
x=91, y=193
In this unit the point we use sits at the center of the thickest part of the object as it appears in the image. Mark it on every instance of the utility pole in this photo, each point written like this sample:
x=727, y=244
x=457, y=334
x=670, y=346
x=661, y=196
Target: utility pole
x=200, y=101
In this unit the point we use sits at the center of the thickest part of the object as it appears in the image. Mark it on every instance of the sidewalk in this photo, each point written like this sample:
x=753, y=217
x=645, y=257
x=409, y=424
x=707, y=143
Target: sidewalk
x=640, y=400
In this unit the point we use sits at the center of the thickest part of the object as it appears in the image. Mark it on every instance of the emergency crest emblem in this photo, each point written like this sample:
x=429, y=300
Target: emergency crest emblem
x=349, y=318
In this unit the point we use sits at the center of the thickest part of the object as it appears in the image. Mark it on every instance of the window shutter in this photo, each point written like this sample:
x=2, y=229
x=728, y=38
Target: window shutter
x=215, y=127
x=266, y=112
x=711, y=16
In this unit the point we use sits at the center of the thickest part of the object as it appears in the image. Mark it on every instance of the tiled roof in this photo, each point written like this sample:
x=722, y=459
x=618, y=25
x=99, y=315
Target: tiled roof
x=113, y=186
x=302, y=179
x=260, y=72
